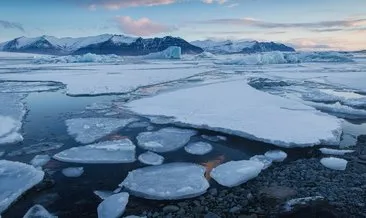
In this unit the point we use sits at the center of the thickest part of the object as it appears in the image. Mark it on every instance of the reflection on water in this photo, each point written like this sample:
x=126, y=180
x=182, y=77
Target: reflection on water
x=209, y=165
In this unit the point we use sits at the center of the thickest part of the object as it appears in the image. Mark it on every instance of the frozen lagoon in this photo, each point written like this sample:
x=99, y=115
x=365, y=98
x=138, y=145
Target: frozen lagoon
x=47, y=112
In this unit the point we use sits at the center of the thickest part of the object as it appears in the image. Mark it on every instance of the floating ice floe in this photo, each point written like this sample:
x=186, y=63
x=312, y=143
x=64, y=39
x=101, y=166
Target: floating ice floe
x=37, y=148
x=235, y=173
x=334, y=163
x=119, y=151
x=160, y=120
x=40, y=160
x=139, y=125
x=167, y=182
x=11, y=116
x=85, y=58
x=214, y=138
x=151, y=158
x=103, y=194
x=266, y=161
x=38, y=211
x=172, y=52
x=73, y=172
x=276, y=155
x=198, y=148
x=335, y=151
x=234, y=107
x=15, y=179
x=88, y=130
x=113, y=206
x=339, y=110
x=165, y=140
x=27, y=87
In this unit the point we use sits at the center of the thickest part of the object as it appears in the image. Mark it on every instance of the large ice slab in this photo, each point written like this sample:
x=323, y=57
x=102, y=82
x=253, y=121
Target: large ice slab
x=340, y=110
x=236, y=108
x=266, y=161
x=235, y=173
x=113, y=206
x=151, y=158
x=12, y=112
x=27, y=87
x=15, y=179
x=167, y=182
x=38, y=211
x=198, y=148
x=334, y=163
x=331, y=151
x=119, y=151
x=165, y=140
x=88, y=130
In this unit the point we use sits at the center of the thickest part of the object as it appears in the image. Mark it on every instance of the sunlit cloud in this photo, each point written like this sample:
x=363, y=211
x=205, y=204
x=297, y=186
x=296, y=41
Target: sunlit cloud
x=142, y=27
x=117, y=4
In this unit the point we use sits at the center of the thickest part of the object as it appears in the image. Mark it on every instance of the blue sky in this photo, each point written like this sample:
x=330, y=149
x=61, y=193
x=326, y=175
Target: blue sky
x=307, y=24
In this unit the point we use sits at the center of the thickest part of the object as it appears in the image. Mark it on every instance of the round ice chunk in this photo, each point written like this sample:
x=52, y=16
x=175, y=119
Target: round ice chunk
x=38, y=211
x=167, y=182
x=334, y=163
x=235, y=173
x=73, y=171
x=276, y=155
x=151, y=158
x=198, y=148
x=267, y=162
x=113, y=206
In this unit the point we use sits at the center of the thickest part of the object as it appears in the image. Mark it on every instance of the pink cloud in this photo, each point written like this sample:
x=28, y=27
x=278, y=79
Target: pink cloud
x=117, y=4
x=141, y=27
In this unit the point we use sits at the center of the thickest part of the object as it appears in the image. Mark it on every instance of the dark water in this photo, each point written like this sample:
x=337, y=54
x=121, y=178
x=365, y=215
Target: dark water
x=73, y=197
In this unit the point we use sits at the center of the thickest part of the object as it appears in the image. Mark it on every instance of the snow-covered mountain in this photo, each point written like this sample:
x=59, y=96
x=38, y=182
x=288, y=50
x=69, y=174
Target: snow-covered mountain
x=102, y=44
x=240, y=46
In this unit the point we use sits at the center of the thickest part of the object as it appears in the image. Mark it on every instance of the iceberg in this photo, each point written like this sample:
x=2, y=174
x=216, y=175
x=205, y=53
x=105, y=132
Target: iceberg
x=331, y=151
x=40, y=160
x=103, y=194
x=113, y=206
x=235, y=173
x=151, y=158
x=86, y=58
x=172, y=52
x=334, y=163
x=15, y=179
x=73, y=171
x=198, y=148
x=165, y=140
x=88, y=130
x=118, y=151
x=276, y=155
x=36, y=148
x=38, y=211
x=235, y=108
x=267, y=162
x=171, y=181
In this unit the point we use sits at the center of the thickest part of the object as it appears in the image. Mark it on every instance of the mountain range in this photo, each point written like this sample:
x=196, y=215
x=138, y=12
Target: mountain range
x=132, y=46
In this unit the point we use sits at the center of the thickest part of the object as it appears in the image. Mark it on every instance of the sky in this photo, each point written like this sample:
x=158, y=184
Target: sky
x=304, y=24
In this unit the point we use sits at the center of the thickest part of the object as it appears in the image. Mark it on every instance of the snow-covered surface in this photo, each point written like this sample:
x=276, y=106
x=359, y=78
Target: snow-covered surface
x=12, y=112
x=257, y=115
x=172, y=52
x=151, y=158
x=119, y=151
x=86, y=58
x=198, y=148
x=81, y=79
x=266, y=161
x=40, y=160
x=334, y=163
x=87, y=130
x=73, y=171
x=227, y=46
x=235, y=173
x=165, y=140
x=290, y=204
x=15, y=179
x=167, y=182
x=38, y=211
x=113, y=206
x=338, y=152
x=276, y=155
x=103, y=194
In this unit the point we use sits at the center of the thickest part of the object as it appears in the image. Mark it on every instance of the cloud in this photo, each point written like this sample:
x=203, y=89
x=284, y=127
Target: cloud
x=11, y=25
x=214, y=1
x=271, y=25
x=142, y=27
x=117, y=4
